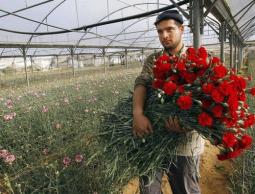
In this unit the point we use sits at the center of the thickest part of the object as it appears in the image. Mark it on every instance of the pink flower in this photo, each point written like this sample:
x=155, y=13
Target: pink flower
x=79, y=98
x=45, y=151
x=78, y=158
x=37, y=95
x=66, y=101
x=58, y=126
x=77, y=87
x=66, y=161
x=3, y=153
x=10, y=116
x=9, y=103
x=9, y=159
x=45, y=109
x=18, y=98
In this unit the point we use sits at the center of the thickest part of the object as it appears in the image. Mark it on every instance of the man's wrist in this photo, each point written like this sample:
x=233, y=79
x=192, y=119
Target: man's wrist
x=137, y=112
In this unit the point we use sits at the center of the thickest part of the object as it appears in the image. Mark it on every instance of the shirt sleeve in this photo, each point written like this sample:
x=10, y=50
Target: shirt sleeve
x=145, y=77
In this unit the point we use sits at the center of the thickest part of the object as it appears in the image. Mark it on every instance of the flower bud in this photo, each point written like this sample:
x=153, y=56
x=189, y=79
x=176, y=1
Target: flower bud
x=240, y=122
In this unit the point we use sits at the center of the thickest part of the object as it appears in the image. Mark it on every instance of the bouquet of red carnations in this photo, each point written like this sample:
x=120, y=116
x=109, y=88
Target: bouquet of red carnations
x=194, y=80
x=205, y=96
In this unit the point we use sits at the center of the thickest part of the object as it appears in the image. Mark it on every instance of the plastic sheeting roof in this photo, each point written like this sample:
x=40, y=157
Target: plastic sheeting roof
x=56, y=15
x=244, y=15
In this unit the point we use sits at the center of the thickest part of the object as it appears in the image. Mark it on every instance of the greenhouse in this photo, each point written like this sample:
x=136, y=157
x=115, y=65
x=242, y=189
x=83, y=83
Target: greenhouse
x=70, y=71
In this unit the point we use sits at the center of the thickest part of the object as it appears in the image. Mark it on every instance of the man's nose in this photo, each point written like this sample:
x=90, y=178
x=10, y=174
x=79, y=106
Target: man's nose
x=164, y=35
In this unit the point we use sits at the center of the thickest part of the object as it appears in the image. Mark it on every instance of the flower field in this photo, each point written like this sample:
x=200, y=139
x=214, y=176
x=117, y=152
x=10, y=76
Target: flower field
x=47, y=131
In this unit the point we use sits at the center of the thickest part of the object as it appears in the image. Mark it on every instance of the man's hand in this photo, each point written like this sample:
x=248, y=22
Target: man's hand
x=141, y=125
x=172, y=124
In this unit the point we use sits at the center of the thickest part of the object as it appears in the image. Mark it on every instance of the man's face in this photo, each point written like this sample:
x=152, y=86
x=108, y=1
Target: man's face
x=170, y=34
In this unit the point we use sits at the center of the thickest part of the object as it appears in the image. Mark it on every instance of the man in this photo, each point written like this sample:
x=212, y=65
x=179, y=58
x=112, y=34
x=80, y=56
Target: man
x=183, y=175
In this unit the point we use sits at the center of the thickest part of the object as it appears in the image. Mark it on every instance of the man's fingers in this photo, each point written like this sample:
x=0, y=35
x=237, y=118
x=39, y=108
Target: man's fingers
x=134, y=133
x=176, y=122
x=167, y=124
x=173, y=124
x=139, y=132
x=150, y=128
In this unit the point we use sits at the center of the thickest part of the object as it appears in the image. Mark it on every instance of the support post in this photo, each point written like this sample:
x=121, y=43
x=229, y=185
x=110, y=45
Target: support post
x=72, y=55
x=231, y=49
x=31, y=59
x=222, y=37
x=126, y=61
x=240, y=56
x=104, y=60
x=57, y=60
x=78, y=62
x=235, y=58
x=196, y=12
x=25, y=63
x=142, y=59
x=94, y=59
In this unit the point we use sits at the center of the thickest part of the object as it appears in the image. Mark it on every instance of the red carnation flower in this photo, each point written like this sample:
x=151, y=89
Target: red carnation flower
x=252, y=91
x=229, y=140
x=249, y=121
x=164, y=67
x=192, y=58
x=232, y=102
x=235, y=153
x=202, y=63
x=184, y=102
x=169, y=88
x=229, y=155
x=242, y=96
x=201, y=72
x=205, y=119
x=233, y=114
x=207, y=88
x=222, y=157
x=206, y=103
x=217, y=96
x=226, y=88
x=174, y=78
x=245, y=142
x=202, y=53
x=158, y=74
x=180, y=89
x=191, y=51
x=157, y=83
x=189, y=77
x=219, y=71
x=181, y=66
x=163, y=59
x=239, y=82
x=217, y=111
x=215, y=60
x=229, y=122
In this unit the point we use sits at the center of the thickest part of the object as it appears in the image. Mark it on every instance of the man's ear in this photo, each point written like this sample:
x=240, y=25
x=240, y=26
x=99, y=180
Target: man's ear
x=182, y=28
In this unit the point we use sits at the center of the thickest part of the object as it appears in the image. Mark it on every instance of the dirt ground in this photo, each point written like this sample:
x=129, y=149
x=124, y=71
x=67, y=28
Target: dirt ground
x=214, y=175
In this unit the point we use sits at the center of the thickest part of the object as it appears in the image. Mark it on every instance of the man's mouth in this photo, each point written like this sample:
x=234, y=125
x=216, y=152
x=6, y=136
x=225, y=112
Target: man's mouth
x=167, y=42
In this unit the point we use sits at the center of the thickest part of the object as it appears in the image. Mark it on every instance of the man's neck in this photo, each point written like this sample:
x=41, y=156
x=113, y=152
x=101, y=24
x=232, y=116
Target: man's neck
x=176, y=50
